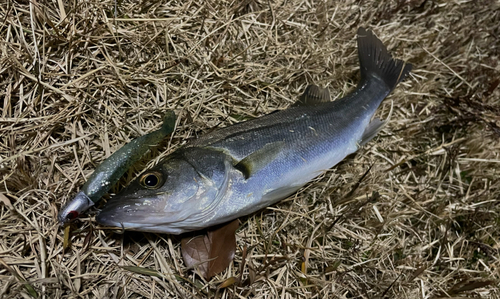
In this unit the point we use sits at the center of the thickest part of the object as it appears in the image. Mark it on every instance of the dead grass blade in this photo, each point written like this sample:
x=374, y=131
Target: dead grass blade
x=29, y=288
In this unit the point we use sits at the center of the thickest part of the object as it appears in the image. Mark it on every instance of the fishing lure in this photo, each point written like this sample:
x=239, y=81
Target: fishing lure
x=111, y=170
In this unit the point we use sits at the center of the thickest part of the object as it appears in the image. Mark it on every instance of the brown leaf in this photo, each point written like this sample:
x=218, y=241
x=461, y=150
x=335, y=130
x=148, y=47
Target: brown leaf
x=223, y=246
x=210, y=251
x=195, y=252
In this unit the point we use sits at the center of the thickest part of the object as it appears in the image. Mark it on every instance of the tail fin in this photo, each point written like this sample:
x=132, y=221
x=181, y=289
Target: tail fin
x=376, y=62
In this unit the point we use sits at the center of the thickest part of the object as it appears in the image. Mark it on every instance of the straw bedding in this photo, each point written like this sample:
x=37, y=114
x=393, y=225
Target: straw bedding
x=414, y=214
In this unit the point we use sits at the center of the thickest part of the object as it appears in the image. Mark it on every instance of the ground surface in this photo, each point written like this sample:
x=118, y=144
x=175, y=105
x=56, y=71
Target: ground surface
x=78, y=79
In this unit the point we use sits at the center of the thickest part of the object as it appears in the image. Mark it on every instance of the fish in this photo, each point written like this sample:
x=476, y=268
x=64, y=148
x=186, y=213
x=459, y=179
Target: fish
x=243, y=168
x=110, y=170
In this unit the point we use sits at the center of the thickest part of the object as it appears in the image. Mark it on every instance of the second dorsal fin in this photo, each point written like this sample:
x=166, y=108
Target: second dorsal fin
x=313, y=95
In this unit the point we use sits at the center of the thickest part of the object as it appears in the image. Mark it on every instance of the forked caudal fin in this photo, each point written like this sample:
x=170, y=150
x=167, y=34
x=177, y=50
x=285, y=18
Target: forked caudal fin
x=376, y=62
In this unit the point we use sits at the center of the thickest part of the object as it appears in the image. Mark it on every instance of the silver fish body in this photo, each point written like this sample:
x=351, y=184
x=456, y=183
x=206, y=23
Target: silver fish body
x=243, y=168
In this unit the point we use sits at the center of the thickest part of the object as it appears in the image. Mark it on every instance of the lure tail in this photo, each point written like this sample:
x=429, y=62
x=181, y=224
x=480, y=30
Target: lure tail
x=168, y=125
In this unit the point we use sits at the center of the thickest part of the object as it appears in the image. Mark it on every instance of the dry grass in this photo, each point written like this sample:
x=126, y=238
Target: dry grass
x=77, y=83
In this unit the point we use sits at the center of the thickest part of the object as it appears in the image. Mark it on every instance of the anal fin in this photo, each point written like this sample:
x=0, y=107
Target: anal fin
x=373, y=128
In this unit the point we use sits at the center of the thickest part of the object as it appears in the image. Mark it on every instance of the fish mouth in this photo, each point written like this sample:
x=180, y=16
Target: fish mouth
x=128, y=213
x=107, y=219
x=121, y=212
x=146, y=219
x=110, y=220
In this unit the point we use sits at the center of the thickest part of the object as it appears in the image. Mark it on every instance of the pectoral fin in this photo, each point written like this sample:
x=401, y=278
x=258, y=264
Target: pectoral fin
x=259, y=159
x=313, y=95
x=375, y=126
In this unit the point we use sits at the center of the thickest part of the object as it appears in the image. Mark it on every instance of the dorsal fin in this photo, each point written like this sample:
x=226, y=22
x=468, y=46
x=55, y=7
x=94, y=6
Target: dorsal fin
x=313, y=95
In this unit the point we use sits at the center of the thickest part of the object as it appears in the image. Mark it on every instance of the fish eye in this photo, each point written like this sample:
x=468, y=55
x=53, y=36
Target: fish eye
x=151, y=180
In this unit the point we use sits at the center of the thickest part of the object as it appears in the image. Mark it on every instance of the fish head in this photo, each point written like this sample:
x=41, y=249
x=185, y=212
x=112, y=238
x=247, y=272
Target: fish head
x=174, y=197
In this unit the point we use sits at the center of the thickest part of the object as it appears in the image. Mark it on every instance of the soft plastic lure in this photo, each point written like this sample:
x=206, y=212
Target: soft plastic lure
x=111, y=169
